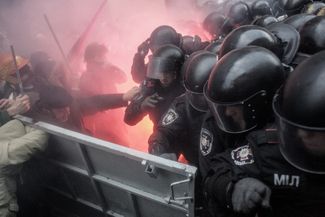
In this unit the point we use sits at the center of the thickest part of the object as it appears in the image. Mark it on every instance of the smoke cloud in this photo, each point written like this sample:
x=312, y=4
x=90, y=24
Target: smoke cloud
x=121, y=26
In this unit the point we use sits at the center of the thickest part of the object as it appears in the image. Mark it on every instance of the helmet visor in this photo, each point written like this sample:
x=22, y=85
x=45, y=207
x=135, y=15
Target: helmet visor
x=157, y=67
x=197, y=101
x=237, y=117
x=301, y=146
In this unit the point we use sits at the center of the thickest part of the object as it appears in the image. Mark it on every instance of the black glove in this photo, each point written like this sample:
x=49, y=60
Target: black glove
x=151, y=102
x=143, y=48
x=249, y=194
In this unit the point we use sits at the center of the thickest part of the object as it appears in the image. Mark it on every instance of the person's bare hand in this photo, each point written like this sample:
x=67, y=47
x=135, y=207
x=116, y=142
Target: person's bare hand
x=20, y=105
x=4, y=103
x=128, y=96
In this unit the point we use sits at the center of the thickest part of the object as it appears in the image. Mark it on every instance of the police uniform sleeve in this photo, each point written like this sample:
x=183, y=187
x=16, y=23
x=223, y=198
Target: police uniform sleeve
x=170, y=127
x=133, y=113
x=138, y=69
x=18, y=147
x=226, y=169
x=212, y=141
x=97, y=103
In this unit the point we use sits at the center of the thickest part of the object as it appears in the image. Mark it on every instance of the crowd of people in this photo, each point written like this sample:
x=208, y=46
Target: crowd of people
x=246, y=107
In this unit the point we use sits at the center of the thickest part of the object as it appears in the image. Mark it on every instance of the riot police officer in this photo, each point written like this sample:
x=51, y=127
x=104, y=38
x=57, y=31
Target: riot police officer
x=239, y=14
x=289, y=39
x=213, y=24
x=298, y=20
x=162, y=35
x=264, y=21
x=162, y=88
x=179, y=129
x=282, y=39
x=251, y=35
x=292, y=7
x=285, y=174
x=312, y=35
x=237, y=108
x=214, y=46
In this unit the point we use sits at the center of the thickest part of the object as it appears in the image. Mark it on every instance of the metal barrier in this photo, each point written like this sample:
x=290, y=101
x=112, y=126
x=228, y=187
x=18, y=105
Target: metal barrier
x=89, y=177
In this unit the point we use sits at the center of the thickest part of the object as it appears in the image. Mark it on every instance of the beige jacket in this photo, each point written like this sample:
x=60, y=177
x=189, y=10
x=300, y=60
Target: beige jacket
x=17, y=144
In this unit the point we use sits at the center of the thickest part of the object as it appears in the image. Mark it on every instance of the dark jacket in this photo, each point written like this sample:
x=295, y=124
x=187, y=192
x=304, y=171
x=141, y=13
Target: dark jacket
x=294, y=192
x=138, y=68
x=80, y=107
x=134, y=114
x=178, y=131
x=214, y=141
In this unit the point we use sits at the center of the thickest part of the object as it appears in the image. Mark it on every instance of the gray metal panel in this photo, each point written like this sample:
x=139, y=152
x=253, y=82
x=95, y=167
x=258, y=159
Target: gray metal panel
x=115, y=179
x=118, y=200
x=53, y=176
x=117, y=149
x=132, y=172
x=65, y=151
x=151, y=209
x=83, y=187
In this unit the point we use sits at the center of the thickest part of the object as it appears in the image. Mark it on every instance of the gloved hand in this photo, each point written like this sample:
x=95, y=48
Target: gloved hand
x=151, y=101
x=250, y=194
x=143, y=48
x=169, y=156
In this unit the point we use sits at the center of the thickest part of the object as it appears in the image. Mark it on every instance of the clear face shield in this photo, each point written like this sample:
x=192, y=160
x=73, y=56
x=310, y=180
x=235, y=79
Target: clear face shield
x=197, y=101
x=302, y=146
x=158, y=66
x=237, y=117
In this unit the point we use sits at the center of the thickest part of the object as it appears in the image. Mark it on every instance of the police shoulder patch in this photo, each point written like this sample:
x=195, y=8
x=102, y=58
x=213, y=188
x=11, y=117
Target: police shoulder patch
x=242, y=155
x=169, y=117
x=206, y=141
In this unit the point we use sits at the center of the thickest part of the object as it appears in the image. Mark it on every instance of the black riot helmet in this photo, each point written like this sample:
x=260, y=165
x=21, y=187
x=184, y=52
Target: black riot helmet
x=261, y=8
x=298, y=20
x=196, y=75
x=300, y=109
x=213, y=24
x=293, y=6
x=191, y=44
x=239, y=14
x=313, y=7
x=277, y=9
x=241, y=86
x=214, y=46
x=290, y=40
x=312, y=35
x=163, y=35
x=264, y=21
x=251, y=35
x=166, y=59
x=187, y=62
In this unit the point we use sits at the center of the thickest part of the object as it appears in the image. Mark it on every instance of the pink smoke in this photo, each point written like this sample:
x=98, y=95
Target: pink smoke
x=122, y=26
